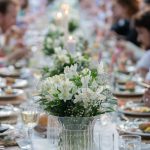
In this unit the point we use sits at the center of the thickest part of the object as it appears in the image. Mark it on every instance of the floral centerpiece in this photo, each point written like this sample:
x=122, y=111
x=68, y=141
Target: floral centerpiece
x=63, y=58
x=54, y=38
x=77, y=94
x=78, y=97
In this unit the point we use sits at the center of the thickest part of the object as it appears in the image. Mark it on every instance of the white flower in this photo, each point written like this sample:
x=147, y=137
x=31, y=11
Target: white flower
x=58, y=50
x=86, y=71
x=85, y=95
x=100, y=68
x=85, y=81
x=70, y=71
x=94, y=85
x=49, y=40
x=61, y=55
x=65, y=88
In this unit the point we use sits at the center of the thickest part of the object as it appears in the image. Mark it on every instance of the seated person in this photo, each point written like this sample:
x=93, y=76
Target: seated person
x=142, y=24
x=123, y=11
x=8, y=12
x=89, y=7
x=146, y=3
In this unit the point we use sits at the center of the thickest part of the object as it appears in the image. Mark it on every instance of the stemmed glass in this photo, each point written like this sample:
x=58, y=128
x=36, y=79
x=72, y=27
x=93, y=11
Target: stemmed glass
x=29, y=117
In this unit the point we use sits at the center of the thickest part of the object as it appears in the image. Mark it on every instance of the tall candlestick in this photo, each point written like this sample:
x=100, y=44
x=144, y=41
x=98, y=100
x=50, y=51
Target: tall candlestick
x=65, y=7
x=66, y=12
x=71, y=44
x=59, y=18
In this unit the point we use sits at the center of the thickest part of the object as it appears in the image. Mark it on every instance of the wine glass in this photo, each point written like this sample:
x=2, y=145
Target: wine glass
x=29, y=117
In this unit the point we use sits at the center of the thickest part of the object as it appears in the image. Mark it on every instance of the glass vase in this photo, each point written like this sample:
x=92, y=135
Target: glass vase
x=81, y=133
x=71, y=133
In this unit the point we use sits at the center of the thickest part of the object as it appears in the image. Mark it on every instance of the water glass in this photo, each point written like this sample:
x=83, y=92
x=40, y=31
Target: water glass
x=130, y=142
x=22, y=140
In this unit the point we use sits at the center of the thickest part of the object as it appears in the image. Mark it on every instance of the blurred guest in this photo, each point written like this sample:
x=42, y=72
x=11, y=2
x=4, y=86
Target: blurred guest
x=8, y=13
x=24, y=4
x=123, y=11
x=142, y=24
x=146, y=3
x=29, y=11
x=89, y=7
x=146, y=97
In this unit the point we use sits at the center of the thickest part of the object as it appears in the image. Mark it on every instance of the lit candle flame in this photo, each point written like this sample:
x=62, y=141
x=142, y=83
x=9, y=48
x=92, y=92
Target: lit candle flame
x=59, y=15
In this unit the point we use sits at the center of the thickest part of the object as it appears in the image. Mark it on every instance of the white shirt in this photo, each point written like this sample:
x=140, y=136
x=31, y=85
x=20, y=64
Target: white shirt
x=144, y=62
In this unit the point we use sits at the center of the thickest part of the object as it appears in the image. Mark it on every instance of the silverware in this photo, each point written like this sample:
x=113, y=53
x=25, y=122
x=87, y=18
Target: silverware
x=123, y=117
x=144, y=84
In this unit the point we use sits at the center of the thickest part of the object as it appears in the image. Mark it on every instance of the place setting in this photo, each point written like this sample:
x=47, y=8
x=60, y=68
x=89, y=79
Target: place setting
x=9, y=72
x=140, y=127
x=138, y=109
x=127, y=86
x=9, y=93
x=14, y=83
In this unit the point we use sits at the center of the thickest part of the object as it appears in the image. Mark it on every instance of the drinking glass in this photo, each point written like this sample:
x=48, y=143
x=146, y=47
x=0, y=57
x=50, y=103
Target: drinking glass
x=130, y=142
x=29, y=117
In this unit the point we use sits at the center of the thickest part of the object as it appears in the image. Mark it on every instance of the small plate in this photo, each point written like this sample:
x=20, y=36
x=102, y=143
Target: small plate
x=135, y=109
x=137, y=92
x=9, y=72
x=132, y=128
x=16, y=93
x=6, y=111
x=18, y=83
x=7, y=132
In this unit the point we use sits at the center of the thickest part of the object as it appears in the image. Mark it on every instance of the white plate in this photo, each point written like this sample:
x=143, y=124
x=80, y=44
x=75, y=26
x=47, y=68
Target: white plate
x=127, y=128
x=16, y=92
x=9, y=72
x=138, y=92
x=19, y=83
x=9, y=131
x=132, y=106
x=6, y=111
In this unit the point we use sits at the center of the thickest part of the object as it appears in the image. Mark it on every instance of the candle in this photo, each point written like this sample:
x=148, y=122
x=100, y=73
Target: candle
x=71, y=44
x=59, y=18
x=65, y=7
x=65, y=24
x=65, y=12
